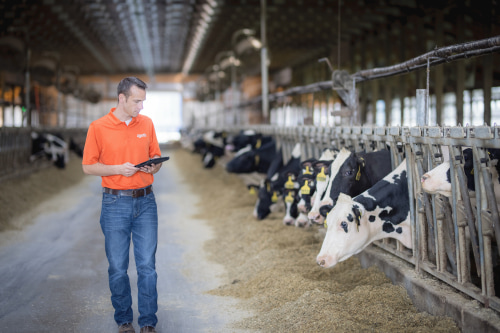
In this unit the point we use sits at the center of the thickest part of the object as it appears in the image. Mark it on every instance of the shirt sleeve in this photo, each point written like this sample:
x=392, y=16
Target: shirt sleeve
x=154, y=147
x=91, y=150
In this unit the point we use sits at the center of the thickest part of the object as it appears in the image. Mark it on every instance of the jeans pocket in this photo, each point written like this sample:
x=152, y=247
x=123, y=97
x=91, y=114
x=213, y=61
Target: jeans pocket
x=151, y=197
x=109, y=199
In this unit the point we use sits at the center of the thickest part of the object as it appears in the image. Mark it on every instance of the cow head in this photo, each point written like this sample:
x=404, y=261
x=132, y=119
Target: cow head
x=349, y=179
x=347, y=232
x=307, y=187
x=267, y=197
x=438, y=180
x=243, y=162
x=291, y=212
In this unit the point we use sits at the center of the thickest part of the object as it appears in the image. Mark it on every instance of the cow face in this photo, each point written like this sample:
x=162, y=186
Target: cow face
x=267, y=197
x=346, y=234
x=291, y=212
x=307, y=187
x=348, y=177
x=243, y=161
x=380, y=212
x=438, y=180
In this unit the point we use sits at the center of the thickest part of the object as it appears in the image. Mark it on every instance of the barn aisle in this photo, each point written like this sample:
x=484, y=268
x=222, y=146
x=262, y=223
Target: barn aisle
x=53, y=272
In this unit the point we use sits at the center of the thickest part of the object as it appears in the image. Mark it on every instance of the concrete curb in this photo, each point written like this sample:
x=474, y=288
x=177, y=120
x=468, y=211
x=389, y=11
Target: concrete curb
x=432, y=296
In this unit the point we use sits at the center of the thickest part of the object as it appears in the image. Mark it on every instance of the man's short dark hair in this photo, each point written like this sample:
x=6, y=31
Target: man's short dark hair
x=126, y=83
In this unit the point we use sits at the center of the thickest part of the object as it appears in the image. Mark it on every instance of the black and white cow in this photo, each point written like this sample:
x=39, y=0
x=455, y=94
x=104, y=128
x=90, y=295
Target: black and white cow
x=272, y=187
x=359, y=172
x=51, y=146
x=245, y=138
x=438, y=180
x=307, y=188
x=306, y=174
x=323, y=182
x=380, y=212
x=215, y=143
x=249, y=160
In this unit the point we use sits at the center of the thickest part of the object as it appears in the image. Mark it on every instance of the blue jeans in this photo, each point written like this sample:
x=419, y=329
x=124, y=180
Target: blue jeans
x=123, y=217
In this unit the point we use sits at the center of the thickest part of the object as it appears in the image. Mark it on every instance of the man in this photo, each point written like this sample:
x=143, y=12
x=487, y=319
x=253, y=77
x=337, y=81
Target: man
x=115, y=143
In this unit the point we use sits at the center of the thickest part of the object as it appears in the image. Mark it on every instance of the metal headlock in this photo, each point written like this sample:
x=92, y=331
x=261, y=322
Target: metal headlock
x=453, y=241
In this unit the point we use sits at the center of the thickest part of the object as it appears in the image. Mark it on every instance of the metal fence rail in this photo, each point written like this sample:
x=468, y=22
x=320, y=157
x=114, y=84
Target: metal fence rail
x=16, y=147
x=453, y=240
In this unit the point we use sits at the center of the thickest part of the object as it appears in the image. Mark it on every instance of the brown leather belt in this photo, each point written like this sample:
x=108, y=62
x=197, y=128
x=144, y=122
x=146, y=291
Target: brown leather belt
x=130, y=193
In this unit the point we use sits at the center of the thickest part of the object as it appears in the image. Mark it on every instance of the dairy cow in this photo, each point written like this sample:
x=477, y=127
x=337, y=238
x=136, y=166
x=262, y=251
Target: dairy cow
x=380, y=212
x=272, y=187
x=248, y=159
x=214, y=147
x=323, y=183
x=438, y=180
x=359, y=172
x=51, y=146
x=245, y=138
x=306, y=174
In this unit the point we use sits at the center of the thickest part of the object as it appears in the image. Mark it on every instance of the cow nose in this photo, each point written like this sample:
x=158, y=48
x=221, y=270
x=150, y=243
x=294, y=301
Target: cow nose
x=424, y=177
x=321, y=263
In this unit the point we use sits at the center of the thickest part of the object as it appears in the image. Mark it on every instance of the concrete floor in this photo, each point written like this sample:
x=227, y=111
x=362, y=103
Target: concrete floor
x=53, y=274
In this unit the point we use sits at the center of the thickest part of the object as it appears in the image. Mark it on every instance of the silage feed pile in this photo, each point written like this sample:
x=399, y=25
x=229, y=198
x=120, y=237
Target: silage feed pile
x=271, y=268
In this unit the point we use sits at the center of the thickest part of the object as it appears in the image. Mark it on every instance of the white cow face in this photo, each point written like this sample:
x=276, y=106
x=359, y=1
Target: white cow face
x=436, y=180
x=346, y=235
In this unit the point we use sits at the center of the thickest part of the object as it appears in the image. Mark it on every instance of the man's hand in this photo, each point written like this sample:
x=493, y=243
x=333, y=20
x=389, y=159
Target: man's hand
x=128, y=169
x=152, y=169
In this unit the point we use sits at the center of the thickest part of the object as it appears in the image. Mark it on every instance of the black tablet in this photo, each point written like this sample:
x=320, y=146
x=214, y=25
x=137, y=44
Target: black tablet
x=152, y=161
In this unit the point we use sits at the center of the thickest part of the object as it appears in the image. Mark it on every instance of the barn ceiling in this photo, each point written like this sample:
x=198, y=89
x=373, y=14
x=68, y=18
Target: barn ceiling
x=108, y=37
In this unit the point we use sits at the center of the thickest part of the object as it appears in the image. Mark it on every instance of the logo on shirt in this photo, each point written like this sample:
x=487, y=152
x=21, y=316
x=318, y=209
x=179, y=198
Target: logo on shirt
x=141, y=135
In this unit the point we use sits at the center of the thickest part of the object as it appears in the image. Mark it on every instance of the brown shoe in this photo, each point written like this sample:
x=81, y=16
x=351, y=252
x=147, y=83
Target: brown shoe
x=148, y=329
x=126, y=328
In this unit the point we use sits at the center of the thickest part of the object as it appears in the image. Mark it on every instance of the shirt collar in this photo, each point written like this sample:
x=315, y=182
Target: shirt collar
x=117, y=121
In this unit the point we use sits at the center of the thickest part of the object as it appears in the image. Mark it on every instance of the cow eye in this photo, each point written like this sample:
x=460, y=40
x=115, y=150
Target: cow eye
x=349, y=172
x=343, y=224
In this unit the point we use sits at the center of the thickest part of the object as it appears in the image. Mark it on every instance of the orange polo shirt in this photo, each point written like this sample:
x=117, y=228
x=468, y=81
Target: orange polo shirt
x=110, y=141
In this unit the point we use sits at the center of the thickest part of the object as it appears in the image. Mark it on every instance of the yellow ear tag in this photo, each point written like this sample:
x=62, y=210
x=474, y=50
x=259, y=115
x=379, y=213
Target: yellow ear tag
x=289, y=184
x=306, y=190
x=252, y=191
x=321, y=177
x=268, y=187
x=274, y=198
x=472, y=171
x=289, y=198
x=307, y=172
x=257, y=159
x=358, y=175
x=258, y=144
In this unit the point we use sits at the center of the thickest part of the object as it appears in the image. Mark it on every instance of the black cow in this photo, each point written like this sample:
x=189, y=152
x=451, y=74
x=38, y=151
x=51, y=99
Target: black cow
x=359, y=172
x=272, y=187
x=249, y=160
x=248, y=137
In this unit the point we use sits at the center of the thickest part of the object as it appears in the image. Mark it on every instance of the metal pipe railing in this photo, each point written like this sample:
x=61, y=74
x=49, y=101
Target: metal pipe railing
x=451, y=241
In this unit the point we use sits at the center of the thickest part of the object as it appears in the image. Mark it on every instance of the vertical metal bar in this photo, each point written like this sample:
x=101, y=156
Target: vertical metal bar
x=415, y=235
x=27, y=88
x=263, y=61
x=455, y=154
x=420, y=101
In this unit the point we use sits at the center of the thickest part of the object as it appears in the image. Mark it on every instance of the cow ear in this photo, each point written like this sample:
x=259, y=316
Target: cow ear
x=361, y=161
x=252, y=189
